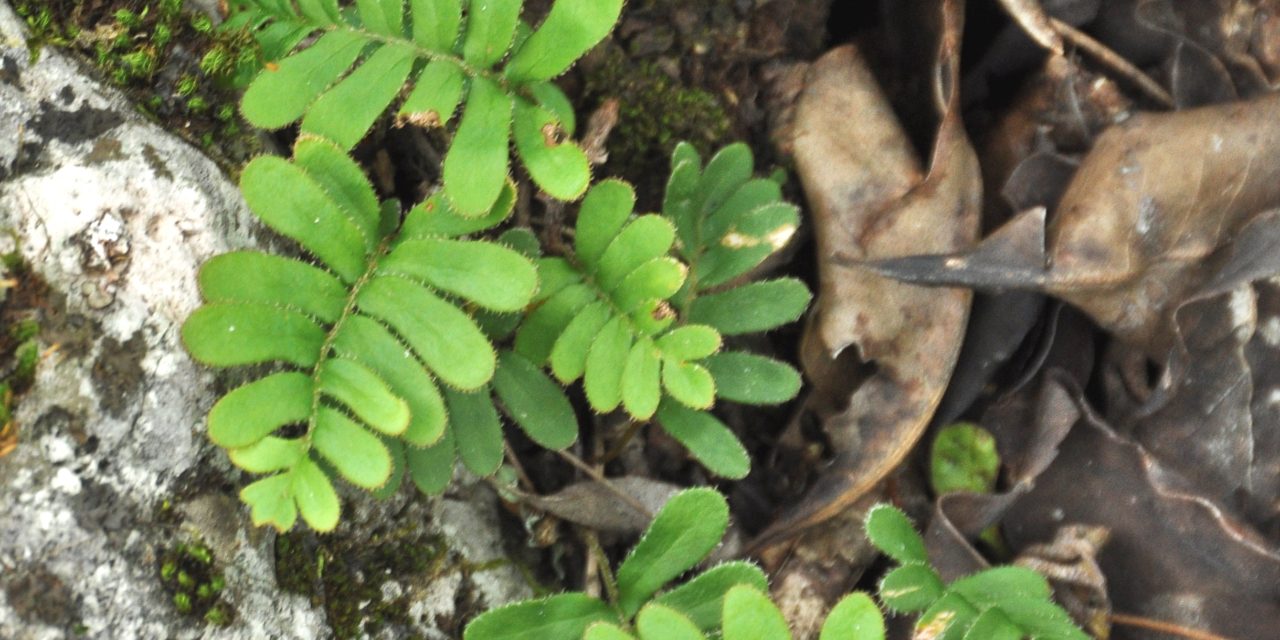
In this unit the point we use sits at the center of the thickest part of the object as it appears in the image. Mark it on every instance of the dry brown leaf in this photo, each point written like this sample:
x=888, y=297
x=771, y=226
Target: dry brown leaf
x=868, y=199
x=594, y=505
x=1156, y=196
x=1173, y=556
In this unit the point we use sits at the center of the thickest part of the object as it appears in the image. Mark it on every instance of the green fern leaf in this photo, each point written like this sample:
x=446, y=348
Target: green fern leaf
x=269, y=454
x=231, y=334
x=606, y=631
x=258, y=409
x=728, y=223
x=603, y=213
x=571, y=29
x=657, y=279
x=436, y=23
x=701, y=599
x=365, y=334
x=708, y=439
x=322, y=11
x=656, y=622
x=537, y=336
x=910, y=588
x=280, y=95
x=752, y=307
x=480, y=442
x=280, y=281
x=535, y=402
x=340, y=85
x=690, y=342
x=432, y=467
x=489, y=275
x=369, y=342
x=435, y=216
x=750, y=615
x=618, y=311
x=491, y=26
x=643, y=239
x=558, y=166
x=365, y=393
x=436, y=95
x=352, y=449
x=569, y=355
x=855, y=617
x=345, y=112
x=948, y=619
x=382, y=16
x=565, y=615
x=993, y=625
x=687, y=528
x=891, y=531
x=749, y=378
x=689, y=383
x=641, y=385
x=606, y=360
x=272, y=501
x=476, y=166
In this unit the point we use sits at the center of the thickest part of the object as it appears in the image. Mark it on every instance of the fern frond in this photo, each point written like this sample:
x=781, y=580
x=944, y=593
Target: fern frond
x=1000, y=602
x=447, y=53
x=629, y=316
x=376, y=349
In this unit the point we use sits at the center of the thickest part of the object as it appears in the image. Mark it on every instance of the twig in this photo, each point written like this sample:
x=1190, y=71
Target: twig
x=1112, y=60
x=609, y=486
x=1161, y=626
x=632, y=430
x=519, y=468
x=602, y=564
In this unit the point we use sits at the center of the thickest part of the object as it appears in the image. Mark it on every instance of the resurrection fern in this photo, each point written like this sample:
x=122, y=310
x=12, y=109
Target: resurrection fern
x=363, y=337
x=449, y=53
x=730, y=601
x=626, y=315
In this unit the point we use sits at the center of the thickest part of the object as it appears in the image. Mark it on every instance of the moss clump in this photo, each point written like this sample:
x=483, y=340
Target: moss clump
x=174, y=62
x=655, y=112
x=346, y=577
x=195, y=586
x=21, y=294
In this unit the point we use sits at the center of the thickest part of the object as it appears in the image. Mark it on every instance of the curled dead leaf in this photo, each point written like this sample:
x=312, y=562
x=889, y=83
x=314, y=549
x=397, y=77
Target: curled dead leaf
x=868, y=199
x=1156, y=196
x=594, y=505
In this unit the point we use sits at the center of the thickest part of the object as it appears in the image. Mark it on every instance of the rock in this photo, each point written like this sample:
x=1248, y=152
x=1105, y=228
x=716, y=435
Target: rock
x=112, y=469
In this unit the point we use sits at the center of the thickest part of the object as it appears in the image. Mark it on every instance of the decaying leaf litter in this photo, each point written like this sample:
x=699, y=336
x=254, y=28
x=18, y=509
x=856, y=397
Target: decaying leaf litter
x=1119, y=347
x=1057, y=220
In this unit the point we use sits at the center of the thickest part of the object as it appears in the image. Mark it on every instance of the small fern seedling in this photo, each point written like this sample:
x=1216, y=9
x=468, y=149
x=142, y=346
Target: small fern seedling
x=727, y=601
x=993, y=604
x=643, y=329
x=363, y=337
x=451, y=53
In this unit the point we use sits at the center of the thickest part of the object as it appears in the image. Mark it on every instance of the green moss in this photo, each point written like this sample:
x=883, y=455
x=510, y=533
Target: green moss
x=130, y=41
x=345, y=577
x=188, y=573
x=655, y=112
x=24, y=330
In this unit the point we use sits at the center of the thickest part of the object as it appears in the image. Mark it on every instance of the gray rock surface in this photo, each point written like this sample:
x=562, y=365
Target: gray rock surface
x=112, y=467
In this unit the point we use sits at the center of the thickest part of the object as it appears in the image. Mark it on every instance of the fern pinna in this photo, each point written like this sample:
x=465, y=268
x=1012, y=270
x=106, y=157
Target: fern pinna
x=643, y=329
x=449, y=53
x=364, y=337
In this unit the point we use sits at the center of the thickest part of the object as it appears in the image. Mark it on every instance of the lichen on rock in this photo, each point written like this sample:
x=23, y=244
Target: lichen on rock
x=112, y=469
